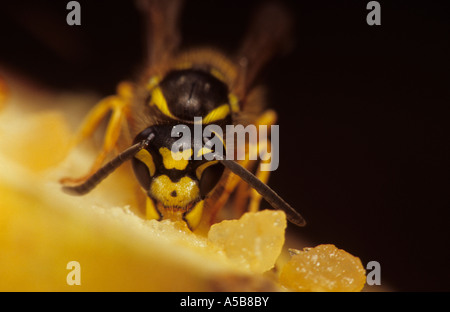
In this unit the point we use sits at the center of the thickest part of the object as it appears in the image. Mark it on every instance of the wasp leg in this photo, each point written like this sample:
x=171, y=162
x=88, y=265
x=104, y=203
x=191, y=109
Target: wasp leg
x=118, y=105
x=244, y=192
x=268, y=118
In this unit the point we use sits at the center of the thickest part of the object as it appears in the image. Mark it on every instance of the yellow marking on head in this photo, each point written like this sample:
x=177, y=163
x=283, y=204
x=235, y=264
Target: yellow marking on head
x=144, y=156
x=159, y=101
x=234, y=103
x=178, y=160
x=174, y=194
x=194, y=215
x=201, y=168
x=217, y=114
x=151, y=213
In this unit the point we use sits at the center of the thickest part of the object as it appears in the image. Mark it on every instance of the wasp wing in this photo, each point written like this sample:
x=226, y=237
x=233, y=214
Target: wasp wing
x=270, y=33
x=162, y=31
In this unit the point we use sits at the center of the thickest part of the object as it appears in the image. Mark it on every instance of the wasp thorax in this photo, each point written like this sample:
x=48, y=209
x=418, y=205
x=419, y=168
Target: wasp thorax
x=193, y=92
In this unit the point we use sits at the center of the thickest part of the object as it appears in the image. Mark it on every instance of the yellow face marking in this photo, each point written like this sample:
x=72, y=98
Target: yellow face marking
x=194, y=216
x=174, y=194
x=178, y=160
x=144, y=156
x=217, y=114
x=234, y=102
x=151, y=212
x=201, y=168
x=159, y=101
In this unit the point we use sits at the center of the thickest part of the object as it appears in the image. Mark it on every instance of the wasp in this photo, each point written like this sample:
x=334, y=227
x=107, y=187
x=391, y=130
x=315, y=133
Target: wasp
x=176, y=87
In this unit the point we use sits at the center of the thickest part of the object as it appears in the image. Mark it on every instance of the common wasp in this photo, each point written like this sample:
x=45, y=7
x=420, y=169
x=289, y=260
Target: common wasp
x=178, y=87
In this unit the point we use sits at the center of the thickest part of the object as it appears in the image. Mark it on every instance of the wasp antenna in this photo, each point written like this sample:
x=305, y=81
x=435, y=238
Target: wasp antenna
x=266, y=192
x=107, y=169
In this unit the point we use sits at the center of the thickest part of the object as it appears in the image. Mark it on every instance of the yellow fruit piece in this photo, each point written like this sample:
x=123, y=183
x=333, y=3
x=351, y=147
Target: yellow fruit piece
x=42, y=230
x=323, y=268
x=254, y=241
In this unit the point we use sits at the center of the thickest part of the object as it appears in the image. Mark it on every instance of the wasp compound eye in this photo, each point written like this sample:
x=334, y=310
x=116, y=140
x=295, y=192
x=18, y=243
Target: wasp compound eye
x=210, y=173
x=141, y=168
x=142, y=162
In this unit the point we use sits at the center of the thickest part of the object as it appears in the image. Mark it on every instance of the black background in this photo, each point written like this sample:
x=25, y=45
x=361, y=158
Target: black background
x=362, y=111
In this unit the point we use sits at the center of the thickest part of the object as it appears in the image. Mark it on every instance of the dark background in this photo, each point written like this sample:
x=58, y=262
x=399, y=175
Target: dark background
x=362, y=111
